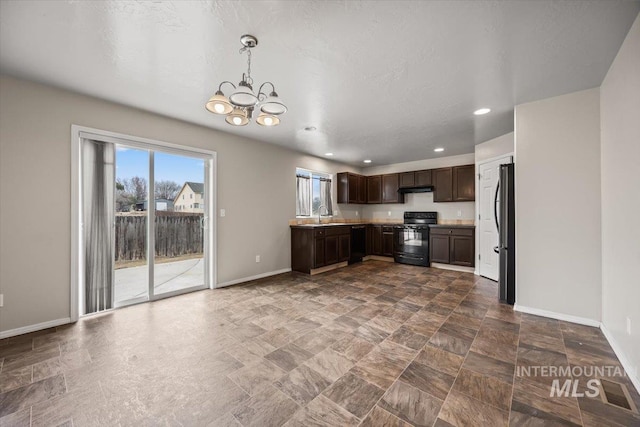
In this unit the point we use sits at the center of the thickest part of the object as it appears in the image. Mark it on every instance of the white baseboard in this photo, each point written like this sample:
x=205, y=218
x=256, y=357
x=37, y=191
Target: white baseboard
x=624, y=361
x=33, y=328
x=378, y=258
x=452, y=267
x=557, y=316
x=250, y=278
x=331, y=267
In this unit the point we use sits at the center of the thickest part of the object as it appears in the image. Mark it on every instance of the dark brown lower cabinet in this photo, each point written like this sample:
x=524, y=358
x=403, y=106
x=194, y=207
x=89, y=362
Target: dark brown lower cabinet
x=331, y=250
x=440, y=249
x=319, y=257
x=315, y=247
x=452, y=245
x=387, y=241
x=462, y=250
x=377, y=240
x=344, y=247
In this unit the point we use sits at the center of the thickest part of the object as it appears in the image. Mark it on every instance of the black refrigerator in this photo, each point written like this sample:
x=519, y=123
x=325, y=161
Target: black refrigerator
x=505, y=216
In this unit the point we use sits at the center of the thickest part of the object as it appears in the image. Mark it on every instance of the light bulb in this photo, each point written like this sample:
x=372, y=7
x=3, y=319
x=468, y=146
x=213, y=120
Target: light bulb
x=219, y=108
x=237, y=120
x=268, y=121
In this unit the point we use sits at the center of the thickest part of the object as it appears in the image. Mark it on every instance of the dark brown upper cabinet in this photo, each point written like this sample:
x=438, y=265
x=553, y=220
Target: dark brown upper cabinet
x=407, y=179
x=351, y=188
x=374, y=189
x=454, y=184
x=443, y=185
x=362, y=189
x=464, y=188
x=423, y=178
x=390, y=187
x=415, y=178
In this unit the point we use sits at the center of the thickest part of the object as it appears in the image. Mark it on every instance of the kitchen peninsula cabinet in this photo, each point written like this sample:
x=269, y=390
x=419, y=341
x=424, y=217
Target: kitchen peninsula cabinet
x=317, y=247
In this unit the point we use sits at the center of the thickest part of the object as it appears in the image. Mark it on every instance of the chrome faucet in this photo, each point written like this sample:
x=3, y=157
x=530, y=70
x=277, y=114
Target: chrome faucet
x=320, y=212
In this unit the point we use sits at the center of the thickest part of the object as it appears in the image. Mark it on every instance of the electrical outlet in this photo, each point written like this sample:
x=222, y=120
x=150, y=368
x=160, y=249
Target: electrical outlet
x=628, y=326
x=357, y=213
x=257, y=258
x=1, y=300
x=389, y=213
x=222, y=212
x=459, y=213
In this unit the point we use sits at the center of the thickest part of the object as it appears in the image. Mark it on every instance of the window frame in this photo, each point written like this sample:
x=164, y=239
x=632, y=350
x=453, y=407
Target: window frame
x=319, y=174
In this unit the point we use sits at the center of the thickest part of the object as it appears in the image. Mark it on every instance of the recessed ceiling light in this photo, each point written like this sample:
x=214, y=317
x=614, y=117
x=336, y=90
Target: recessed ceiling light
x=328, y=154
x=438, y=150
x=482, y=111
x=367, y=161
x=310, y=128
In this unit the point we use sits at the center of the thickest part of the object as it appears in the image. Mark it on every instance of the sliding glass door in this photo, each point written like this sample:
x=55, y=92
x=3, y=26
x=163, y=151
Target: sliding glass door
x=179, y=223
x=131, y=276
x=145, y=222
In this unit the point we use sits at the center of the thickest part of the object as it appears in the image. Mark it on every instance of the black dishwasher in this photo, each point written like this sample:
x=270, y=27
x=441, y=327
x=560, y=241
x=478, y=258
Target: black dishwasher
x=358, y=241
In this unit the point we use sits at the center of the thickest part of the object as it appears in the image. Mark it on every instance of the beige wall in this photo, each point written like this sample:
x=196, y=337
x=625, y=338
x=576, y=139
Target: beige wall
x=421, y=201
x=255, y=184
x=620, y=145
x=494, y=147
x=558, y=251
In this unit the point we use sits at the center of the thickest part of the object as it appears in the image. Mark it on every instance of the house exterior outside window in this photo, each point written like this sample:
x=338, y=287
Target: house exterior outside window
x=192, y=191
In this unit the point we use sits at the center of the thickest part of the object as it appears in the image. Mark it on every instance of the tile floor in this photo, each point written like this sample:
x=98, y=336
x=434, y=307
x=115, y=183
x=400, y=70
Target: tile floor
x=374, y=344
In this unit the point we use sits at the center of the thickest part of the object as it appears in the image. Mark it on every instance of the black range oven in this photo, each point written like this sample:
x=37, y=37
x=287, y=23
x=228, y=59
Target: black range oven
x=411, y=240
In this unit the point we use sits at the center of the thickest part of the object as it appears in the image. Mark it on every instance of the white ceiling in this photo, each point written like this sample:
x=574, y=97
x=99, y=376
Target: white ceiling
x=385, y=80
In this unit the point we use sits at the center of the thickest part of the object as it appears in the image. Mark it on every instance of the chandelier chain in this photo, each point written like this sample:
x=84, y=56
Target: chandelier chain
x=248, y=77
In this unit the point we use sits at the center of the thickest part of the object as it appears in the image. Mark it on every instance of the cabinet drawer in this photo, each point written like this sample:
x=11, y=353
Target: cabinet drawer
x=462, y=231
x=440, y=230
x=452, y=231
x=387, y=229
x=335, y=231
x=320, y=233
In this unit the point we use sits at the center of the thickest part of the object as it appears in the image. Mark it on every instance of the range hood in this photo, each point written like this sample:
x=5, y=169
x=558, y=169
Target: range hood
x=421, y=189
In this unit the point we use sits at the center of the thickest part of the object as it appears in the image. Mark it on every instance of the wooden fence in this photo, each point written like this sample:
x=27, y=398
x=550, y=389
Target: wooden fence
x=176, y=234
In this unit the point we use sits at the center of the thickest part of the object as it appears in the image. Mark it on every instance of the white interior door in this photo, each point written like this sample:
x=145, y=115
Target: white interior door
x=488, y=236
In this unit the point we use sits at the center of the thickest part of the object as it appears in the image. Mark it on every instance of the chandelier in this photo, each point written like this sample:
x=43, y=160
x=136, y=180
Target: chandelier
x=239, y=106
